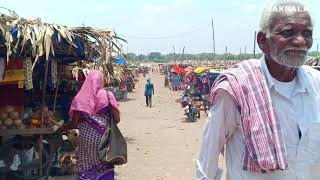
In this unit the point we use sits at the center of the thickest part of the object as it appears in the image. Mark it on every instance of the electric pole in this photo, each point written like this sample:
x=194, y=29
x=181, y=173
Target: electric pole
x=174, y=54
x=182, y=54
x=254, y=44
x=225, y=54
x=213, y=42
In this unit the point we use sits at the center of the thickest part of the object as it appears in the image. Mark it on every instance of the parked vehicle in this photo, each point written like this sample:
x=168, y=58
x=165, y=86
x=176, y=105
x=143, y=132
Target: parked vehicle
x=206, y=104
x=189, y=109
x=191, y=112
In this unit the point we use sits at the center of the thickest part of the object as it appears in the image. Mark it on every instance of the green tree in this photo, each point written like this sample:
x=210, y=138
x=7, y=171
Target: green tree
x=132, y=57
x=154, y=55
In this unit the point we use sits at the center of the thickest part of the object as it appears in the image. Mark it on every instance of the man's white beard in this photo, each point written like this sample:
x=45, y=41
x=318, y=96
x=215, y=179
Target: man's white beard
x=284, y=58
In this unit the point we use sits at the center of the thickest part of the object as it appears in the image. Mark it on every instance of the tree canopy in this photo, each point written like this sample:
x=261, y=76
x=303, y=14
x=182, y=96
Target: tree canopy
x=163, y=58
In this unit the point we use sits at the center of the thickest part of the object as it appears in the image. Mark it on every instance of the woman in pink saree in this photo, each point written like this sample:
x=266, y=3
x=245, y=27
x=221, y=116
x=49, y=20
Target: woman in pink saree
x=90, y=110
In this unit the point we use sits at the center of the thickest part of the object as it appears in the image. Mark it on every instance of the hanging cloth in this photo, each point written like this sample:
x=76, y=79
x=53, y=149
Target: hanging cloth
x=27, y=66
x=54, y=72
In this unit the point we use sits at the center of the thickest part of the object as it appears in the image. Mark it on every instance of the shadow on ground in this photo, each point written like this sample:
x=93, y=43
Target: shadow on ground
x=130, y=140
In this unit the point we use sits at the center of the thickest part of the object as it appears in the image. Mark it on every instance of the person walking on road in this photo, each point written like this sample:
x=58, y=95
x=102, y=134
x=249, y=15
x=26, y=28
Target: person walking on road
x=148, y=92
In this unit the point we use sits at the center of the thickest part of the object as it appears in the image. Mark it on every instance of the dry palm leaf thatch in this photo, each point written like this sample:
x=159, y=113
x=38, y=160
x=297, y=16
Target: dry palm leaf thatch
x=11, y=12
x=102, y=41
x=99, y=42
x=119, y=73
x=314, y=61
x=86, y=67
x=33, y=38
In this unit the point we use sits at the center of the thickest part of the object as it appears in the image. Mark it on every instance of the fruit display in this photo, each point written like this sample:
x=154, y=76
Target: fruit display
x=49, y=118
x=12, y=118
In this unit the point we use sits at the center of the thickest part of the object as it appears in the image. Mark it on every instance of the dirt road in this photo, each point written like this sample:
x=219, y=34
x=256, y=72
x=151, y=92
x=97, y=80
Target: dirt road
x=161, y=144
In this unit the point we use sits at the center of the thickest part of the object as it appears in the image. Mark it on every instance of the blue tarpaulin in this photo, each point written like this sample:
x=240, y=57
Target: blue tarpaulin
x=211, y=76
x=120, y=61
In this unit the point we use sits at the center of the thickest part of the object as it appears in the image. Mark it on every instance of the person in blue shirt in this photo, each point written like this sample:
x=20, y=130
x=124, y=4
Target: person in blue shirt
x=148, y=92
x=176, y=80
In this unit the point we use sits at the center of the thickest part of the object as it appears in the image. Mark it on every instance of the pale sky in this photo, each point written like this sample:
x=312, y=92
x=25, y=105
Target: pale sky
x=157, y=25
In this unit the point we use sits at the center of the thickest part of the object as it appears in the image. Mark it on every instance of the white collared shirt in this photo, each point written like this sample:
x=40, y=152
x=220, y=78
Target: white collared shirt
x=297, y=106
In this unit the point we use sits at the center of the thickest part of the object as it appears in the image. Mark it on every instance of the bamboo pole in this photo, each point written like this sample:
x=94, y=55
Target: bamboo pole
x=43, y=102
x=56, y=93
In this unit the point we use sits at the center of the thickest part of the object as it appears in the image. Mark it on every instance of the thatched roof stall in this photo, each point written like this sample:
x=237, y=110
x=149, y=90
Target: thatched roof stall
x=101, y=47
x=20, y=37
x=42, y=52
x=41, y=43
x=314, y=62
x=33, y=38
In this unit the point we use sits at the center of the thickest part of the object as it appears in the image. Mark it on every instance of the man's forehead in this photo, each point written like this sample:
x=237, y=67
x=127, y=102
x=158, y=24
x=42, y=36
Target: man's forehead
x=292, y=19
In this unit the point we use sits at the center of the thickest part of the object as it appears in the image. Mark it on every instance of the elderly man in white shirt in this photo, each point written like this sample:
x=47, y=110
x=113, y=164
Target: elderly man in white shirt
x=271, y=132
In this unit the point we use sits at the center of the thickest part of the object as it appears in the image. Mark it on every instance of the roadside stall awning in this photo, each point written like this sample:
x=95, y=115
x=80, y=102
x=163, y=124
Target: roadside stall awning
x=215, y=71
x=200, y=70
x=189, y=68
x=120, y=61
x=179, y=70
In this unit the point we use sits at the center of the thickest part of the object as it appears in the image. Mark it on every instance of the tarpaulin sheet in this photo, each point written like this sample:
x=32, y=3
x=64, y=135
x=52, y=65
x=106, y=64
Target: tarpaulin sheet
x=179, y=69
x=188, y=69
x=200, y=70
x=120, y=61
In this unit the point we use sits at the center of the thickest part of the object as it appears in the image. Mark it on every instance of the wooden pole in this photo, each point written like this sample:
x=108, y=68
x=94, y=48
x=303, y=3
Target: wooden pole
x=56, y=94
x=174, y=54
x=240, y=55
x=43, y=103
x=254, y=44
x=318, y=47
x=225, y=53
x=182, y=55
x=213, y=41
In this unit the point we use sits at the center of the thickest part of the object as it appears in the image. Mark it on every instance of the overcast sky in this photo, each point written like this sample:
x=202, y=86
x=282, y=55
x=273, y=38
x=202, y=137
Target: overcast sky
x=158, y=25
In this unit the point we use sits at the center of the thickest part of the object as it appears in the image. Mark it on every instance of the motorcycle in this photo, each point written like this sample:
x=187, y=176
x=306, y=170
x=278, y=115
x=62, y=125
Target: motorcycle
x=206, y=104
x=189, y=110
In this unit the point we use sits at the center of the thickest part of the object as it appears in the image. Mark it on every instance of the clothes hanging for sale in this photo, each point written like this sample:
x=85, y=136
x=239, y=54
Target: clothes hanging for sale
x=27, y=65
x=54, y=71
x=2, y=68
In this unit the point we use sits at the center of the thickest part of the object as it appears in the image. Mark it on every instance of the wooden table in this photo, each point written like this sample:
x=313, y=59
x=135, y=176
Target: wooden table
x=36, y=132
x=30, y=131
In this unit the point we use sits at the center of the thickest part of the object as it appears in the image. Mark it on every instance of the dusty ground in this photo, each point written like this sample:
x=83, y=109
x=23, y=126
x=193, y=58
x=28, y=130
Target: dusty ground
x=161, y=144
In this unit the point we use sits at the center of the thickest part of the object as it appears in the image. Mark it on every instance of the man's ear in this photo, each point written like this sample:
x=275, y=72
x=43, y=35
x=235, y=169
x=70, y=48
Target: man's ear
x=262, y=42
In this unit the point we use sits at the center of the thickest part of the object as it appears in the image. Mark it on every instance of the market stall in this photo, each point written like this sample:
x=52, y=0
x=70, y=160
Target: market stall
x=38, y=79
x=314, y=62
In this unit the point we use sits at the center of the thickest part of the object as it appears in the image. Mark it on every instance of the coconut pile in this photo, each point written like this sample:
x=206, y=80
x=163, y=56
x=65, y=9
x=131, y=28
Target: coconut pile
x=315, y=61
x=11, y=118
